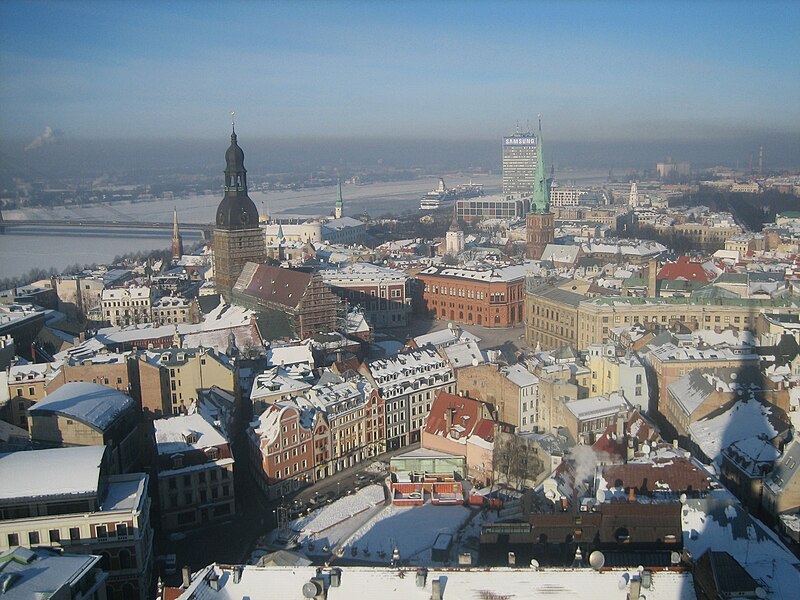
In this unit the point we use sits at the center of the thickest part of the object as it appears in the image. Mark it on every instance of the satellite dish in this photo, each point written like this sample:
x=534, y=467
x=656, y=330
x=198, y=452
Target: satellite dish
x=311, y=589
x=597, y=560
x=761, y=592
x=646, y=449
x=674, y=558
x=601, y=496
x=622, y=582
x=534, y=563
x=683, y=498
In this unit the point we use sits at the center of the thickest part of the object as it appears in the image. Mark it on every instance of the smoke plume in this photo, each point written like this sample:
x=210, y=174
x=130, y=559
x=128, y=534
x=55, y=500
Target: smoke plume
x=584, y=459
x=49, y=136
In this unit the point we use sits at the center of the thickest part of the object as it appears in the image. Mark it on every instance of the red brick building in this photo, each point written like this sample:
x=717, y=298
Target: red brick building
x=487, y=296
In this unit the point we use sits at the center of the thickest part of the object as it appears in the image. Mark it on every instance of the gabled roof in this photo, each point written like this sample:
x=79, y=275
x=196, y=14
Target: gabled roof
x=785, y=470
x=683, y=268
x=466, y=417
x=273, y=284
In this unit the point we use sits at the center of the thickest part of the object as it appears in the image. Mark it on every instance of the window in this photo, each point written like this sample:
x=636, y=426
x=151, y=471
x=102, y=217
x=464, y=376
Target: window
x=74, y=534
x=13, y=539
x=122, y=530
x=102, y=532
x=55, y=536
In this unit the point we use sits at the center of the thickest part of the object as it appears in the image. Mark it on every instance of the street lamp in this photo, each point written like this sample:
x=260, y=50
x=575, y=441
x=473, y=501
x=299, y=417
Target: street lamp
x=338, y=487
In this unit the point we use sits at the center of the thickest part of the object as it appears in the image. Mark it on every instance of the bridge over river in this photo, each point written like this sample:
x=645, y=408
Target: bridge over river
x=205, y=229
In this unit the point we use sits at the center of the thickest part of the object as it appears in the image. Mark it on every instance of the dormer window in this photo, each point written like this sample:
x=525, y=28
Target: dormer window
x=189, y=436
x=212, y=453
x=177, y=461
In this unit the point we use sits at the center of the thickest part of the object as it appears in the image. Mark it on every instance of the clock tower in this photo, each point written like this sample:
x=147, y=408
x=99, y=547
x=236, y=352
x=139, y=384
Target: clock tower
x=238, y=238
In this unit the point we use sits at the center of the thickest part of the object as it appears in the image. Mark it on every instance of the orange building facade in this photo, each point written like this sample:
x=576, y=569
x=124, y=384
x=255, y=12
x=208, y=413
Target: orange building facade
x=490, y=298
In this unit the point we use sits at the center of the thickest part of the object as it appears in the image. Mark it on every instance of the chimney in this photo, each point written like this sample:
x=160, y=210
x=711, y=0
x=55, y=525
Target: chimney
x=512, y=559
x=675, y=443
x=636, y=588
x=632, y=495
x=237, y=574
x=213, y=582
x=448, y=419
x=422, y=576
x=187, y=576
x=629, y=453
x=620, y=427
x=437, y=592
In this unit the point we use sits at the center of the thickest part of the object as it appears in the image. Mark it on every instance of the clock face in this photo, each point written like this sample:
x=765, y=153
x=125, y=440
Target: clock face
x=244, y=218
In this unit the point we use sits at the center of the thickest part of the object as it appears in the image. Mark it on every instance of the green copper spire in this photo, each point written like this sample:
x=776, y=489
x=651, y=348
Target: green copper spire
x=339, y=201
x=540, y=203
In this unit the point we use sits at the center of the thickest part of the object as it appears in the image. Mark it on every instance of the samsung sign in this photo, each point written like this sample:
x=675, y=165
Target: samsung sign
x=519, y=141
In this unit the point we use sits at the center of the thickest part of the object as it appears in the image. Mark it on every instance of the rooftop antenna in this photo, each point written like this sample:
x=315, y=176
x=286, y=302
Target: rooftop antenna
x=540, y=122
x=518, y=131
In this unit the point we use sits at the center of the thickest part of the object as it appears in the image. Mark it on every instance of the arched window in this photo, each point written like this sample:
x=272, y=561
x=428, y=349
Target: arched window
x=125, y=559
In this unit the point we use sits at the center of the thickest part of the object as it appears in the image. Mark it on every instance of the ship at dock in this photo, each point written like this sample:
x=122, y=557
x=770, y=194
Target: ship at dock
x=444, y=196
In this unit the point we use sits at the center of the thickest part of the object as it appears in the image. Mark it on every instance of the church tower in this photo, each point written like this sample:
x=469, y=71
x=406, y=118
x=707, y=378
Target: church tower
x=177, y=240
x=633, y=197
x=339, y=210
x=238, y=239
x=540, y=223
x=454, y=238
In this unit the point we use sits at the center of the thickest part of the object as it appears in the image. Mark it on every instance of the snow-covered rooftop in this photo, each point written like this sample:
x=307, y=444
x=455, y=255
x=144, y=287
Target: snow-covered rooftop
x=257, y=583
x=747, y=418
x=172, y=434
x=598, y=406
x=91, y=403
x=55, y=472
x=519, y=375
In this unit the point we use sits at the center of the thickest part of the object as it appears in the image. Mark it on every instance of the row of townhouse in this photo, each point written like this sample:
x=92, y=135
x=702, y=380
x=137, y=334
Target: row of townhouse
x=333, y=426
x=342, y=421
x=163, y=382
x=139, y=304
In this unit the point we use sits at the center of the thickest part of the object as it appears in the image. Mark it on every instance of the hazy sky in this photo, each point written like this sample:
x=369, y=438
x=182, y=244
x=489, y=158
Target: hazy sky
x=638, y=70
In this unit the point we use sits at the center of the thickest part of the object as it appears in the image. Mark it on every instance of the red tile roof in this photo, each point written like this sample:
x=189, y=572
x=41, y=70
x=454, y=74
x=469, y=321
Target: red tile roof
x=674, y=475
x=466, y=417
x=274, y=284
x=684, y=269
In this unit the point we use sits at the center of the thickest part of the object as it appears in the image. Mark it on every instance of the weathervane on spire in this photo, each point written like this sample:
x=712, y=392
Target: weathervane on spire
x=233, y=120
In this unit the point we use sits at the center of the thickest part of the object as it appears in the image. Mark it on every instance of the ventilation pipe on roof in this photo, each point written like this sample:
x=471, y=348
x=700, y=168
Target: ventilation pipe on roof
x=437, y=589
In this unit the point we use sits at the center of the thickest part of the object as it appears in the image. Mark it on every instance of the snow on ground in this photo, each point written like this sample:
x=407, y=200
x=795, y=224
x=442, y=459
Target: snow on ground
x=411, y=529
x=324, y=518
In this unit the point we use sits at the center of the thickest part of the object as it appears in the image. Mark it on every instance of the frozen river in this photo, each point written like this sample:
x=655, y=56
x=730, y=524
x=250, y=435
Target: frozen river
x=23, y=250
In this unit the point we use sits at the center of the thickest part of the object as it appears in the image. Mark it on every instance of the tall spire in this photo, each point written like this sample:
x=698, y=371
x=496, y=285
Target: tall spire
x=454, y=226
x=540, y=202
x=177, y=240
x=339, y=210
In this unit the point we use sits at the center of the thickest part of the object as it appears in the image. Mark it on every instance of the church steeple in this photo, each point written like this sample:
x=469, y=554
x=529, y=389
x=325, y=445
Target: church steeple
x=177, y=240
x=236, y=211
x=540, y=202
x=339, y=210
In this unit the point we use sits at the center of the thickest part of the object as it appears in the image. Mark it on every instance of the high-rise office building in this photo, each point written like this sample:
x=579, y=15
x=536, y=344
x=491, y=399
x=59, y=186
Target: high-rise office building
x=540, y=222
x=238, y=238
x=519, y=163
